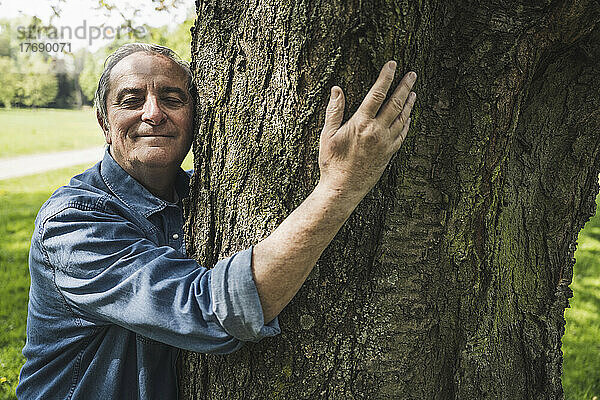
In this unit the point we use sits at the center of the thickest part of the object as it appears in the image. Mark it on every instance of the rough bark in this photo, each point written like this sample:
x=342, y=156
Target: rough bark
x=450, y=279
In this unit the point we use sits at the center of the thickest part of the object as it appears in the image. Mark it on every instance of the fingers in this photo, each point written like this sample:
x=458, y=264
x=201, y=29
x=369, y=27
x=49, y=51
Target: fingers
x=378, y=91
x=335, y=111
x=400, y=139
x=402, y=119
x=395, y=104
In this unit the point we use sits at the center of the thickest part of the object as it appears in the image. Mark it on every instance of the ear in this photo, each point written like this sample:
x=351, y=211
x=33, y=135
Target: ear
x=105, y=129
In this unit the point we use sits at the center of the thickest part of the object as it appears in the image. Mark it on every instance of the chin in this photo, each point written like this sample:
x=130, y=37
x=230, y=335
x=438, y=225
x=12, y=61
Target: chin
x=158, y=157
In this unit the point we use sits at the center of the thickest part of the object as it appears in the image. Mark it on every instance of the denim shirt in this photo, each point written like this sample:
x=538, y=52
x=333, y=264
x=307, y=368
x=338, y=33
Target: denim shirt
x=113, y=296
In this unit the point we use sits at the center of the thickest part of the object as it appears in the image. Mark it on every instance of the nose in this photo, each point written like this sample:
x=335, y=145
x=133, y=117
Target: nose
x=153, y=114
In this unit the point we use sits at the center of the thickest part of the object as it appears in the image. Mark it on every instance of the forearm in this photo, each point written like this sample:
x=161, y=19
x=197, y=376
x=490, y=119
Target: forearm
x=282, y=261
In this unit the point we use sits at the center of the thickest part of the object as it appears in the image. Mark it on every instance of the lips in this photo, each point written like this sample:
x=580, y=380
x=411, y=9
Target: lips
x=155, y=136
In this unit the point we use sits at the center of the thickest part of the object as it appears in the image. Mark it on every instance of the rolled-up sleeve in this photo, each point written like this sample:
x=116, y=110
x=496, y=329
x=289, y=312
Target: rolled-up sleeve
x=235, y=299
x=108, y=271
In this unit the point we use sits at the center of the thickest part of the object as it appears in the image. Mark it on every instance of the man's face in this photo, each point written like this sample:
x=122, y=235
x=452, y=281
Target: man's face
x=149, y=112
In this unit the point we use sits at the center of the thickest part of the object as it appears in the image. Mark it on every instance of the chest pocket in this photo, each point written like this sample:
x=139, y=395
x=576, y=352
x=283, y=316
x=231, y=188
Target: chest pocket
x=167, y=226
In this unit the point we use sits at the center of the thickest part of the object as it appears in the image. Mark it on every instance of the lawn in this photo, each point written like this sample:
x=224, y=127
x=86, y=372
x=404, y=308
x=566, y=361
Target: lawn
x=581, y=343
x=42, y=130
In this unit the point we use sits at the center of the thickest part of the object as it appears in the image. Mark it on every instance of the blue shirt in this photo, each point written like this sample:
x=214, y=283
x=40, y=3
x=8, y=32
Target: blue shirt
x=113, y=296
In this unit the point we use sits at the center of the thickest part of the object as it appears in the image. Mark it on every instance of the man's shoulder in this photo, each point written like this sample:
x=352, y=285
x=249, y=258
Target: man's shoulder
x=84, y=191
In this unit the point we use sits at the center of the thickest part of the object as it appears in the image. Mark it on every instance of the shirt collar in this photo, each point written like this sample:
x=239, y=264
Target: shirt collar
x=133, y=193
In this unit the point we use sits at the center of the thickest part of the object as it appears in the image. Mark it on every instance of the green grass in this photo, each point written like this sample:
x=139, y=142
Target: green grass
x=43, y=130
x=581, y=343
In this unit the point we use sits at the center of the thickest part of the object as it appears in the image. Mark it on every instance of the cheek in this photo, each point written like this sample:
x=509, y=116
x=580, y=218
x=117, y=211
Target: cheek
x=121, y=124
x=189, y=123
x=183, y=123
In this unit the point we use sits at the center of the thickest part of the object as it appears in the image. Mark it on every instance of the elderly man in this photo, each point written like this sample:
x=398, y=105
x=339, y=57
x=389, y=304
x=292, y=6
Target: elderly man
x=113, y=296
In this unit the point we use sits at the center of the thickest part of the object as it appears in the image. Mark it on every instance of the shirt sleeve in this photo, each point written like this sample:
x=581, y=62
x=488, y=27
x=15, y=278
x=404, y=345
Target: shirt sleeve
x=109, y=272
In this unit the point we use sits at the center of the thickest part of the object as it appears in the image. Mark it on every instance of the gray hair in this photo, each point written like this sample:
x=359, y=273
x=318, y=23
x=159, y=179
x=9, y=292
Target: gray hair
x=124, y=51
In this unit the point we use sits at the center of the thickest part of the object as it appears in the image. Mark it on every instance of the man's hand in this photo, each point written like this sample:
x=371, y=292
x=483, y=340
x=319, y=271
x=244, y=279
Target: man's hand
x=353, y=156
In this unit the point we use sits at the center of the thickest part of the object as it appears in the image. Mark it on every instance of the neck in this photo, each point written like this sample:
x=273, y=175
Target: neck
x=159, y=180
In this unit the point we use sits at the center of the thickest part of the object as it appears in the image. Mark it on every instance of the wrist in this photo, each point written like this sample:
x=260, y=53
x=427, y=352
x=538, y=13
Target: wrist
x=340, y=196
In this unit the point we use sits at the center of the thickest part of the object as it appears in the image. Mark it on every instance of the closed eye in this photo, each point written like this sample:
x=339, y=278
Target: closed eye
x=173, y=101
x=132, y=101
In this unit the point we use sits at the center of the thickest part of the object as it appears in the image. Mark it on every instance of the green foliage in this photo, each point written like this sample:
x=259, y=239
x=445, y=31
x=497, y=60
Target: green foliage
x=90, y=74
x=188, y=162
x=8, y=81
x=177, y=39
x=27, y=78
x=37, y=83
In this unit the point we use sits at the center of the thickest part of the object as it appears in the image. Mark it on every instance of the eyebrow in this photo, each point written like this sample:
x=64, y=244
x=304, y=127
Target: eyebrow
x=173, y=89
x=125, y=91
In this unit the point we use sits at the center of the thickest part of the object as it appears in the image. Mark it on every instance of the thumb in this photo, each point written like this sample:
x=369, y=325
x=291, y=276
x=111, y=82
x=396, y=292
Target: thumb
x=335, y=110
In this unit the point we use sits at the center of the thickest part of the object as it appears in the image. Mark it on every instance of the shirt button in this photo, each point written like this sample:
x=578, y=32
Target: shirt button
x=175, y=236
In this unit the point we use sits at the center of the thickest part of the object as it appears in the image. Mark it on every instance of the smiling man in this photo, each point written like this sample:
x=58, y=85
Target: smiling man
x=113, y=295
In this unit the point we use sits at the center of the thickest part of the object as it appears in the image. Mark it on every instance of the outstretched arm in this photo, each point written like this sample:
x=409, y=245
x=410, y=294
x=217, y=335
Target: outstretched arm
x=352, y=158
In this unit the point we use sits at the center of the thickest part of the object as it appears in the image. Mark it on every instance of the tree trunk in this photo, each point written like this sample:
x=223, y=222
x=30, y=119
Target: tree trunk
x=450, y=279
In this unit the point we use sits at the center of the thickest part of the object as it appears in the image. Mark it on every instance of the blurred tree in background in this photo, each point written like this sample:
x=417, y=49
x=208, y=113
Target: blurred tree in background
x=27, y=77
x=8, y=81
x=37, y=85
x=40, y=79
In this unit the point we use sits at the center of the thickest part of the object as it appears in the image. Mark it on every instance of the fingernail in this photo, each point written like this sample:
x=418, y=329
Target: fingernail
x=335, y=93
x=392, y=66
x=413, y=75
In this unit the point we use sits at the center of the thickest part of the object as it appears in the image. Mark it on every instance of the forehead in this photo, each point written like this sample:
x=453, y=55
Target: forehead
x=142, y=69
